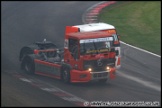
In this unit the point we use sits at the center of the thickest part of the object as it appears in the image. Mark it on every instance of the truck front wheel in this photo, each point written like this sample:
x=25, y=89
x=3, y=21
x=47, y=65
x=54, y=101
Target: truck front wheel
x=66, y=75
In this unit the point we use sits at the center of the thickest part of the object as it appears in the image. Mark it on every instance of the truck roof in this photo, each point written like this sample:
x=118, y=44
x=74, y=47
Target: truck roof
x=94, y=27
x=88, y=35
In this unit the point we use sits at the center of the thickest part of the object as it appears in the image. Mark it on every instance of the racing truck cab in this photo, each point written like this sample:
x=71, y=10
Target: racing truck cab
x=91, y=52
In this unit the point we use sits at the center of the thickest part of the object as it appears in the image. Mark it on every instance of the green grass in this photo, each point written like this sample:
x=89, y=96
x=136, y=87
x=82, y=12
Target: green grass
x=137, y=22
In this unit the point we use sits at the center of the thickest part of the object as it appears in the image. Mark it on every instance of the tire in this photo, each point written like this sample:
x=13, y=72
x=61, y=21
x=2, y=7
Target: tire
x=66, y=75
x=103, y=80
x=28, y=66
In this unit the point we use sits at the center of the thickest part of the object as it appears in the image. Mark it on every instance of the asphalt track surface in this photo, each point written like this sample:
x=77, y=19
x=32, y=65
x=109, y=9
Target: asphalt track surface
x=138, y=79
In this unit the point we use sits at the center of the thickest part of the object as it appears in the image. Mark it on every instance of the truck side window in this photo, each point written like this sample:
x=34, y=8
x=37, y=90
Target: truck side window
x=73, y=47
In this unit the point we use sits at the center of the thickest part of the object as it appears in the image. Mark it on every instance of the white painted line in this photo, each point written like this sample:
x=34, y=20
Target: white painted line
x=49, y=89
x=62, y=91
x=95, y=5
x=54, y=90
x=140, y=81
x=91, y=19
x=26, y=80
x=140, y=49
x=91, y=16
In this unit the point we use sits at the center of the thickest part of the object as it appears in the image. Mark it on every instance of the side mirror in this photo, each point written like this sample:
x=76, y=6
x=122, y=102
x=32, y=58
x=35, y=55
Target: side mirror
x=118, y=36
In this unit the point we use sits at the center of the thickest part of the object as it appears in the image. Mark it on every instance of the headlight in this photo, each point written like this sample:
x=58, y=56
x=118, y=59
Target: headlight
x=90, y=69
x=108, y=68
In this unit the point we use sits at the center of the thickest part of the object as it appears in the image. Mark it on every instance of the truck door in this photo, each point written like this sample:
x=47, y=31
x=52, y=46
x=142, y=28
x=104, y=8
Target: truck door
x=73, y=48
x=74, y=52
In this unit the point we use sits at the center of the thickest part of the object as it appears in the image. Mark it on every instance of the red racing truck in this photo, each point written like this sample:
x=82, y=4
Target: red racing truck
x=91, y=52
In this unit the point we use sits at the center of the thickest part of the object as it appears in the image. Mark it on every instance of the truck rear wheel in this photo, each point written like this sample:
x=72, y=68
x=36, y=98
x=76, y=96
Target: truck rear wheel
x=66, y=75
x=28, y=66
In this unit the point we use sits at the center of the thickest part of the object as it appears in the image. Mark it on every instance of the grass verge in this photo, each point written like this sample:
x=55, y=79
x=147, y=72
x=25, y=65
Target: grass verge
x=137, y=22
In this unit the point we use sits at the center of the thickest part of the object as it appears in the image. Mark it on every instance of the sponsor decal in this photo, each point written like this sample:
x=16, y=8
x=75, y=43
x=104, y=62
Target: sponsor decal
x=96, y=40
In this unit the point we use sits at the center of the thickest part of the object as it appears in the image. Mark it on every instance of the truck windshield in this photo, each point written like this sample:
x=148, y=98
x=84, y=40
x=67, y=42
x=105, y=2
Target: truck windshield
x=95, y=46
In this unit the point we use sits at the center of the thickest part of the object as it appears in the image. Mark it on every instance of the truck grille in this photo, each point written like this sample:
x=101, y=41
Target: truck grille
x=99, y=65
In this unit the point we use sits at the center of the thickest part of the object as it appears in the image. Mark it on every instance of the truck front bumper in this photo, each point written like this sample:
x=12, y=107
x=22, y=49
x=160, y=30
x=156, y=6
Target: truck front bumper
x=86, y=76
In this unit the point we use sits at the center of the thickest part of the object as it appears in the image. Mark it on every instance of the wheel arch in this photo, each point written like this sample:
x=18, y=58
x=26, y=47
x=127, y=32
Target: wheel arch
x=65, y=65
x=27, y=50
